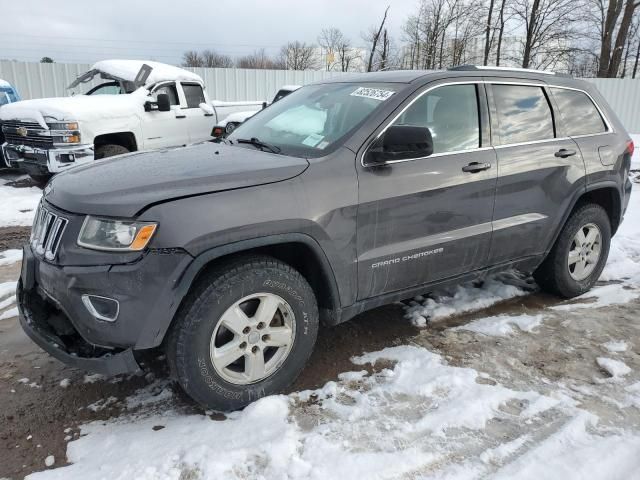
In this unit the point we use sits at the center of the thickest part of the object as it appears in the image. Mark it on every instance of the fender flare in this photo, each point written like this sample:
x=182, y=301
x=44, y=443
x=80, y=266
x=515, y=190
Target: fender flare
x=207, y=256
x=589, y=188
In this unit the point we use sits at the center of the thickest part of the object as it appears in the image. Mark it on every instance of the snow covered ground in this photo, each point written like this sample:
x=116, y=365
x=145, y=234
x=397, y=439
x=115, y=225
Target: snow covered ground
x=492, y=407
x=18, y=204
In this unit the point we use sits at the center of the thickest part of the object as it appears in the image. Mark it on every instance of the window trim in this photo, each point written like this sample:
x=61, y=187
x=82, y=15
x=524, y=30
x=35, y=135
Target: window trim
x=536, y=83
x=605, y=120
x=186, y=100
x=496, y=139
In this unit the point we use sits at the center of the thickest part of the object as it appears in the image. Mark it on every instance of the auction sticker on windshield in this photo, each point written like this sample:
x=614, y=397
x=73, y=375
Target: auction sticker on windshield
x=375, y=93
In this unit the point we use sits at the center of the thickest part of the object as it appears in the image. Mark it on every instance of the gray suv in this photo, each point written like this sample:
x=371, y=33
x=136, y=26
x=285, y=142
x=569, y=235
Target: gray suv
x=346, y=195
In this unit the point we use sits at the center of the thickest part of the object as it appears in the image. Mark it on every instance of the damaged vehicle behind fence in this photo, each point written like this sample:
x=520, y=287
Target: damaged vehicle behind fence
x=343, y=196
x=129, y=105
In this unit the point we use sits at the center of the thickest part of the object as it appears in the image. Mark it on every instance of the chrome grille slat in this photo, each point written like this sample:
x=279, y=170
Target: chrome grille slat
x=48, y=228
x=37, y=136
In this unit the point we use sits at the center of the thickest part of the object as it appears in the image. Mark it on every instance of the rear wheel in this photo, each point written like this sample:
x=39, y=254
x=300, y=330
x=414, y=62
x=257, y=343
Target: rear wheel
x=245, y=331
x=579, y=254
x=109, y=150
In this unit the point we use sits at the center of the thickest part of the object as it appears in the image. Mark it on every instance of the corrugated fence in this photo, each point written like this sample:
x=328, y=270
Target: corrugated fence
x=39, y=80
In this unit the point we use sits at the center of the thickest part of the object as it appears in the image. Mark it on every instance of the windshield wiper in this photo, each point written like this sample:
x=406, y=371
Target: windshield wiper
x=257, y=143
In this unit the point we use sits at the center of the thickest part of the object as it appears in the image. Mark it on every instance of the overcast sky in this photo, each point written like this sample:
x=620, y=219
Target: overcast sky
x=162, y=30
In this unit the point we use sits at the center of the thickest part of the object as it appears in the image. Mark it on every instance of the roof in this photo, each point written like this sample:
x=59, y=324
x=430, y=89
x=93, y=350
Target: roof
x=128, y=69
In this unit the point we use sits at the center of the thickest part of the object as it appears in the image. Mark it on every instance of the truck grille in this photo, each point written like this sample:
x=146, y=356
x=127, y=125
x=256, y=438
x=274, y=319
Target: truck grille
x=36, y=136
x=46, y=233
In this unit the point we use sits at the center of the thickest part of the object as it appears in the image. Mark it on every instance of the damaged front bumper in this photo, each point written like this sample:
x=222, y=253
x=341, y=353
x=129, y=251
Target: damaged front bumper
x=40, y=161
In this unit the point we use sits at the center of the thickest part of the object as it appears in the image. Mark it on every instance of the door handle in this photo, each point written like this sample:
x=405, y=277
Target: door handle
x=475, y=167
x=564, y=153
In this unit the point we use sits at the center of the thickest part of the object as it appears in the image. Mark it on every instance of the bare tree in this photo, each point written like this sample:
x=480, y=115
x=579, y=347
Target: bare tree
x=298, y=56
x=549, y=26
x=213, y=59
x=487, y=33
x=502, y=21
x=374, y=38
x=191, y=58
x=330, y=40
x=612, y=25
x=260, y=60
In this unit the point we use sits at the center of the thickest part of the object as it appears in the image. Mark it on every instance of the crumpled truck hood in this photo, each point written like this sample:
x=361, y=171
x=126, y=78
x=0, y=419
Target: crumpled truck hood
x=80, y=108
x=123, y=186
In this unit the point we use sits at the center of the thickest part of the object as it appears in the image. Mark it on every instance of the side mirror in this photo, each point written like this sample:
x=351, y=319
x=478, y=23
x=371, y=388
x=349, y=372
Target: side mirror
x=164, y=103
x=400, y=142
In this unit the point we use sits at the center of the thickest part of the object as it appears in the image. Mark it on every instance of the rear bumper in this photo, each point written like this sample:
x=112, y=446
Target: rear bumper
x=42, y=161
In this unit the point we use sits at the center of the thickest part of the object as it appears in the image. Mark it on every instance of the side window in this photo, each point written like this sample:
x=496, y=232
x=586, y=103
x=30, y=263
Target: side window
x=524, y=114
x=169, y=89
x=194, y=94
x=579, y=115
x=451, y=114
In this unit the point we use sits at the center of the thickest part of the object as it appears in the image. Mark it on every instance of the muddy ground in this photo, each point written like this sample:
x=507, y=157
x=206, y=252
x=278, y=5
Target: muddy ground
x=38, y=416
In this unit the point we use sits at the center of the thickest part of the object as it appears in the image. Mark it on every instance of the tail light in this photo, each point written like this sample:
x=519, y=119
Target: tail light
x=630, y=147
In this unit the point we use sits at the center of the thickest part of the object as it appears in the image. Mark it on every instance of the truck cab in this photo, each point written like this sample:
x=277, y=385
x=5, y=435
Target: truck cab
x=127, y=106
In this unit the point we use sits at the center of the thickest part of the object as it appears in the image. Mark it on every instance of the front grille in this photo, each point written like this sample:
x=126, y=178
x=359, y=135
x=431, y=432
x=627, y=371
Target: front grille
x=37, y=136
x=47, y=231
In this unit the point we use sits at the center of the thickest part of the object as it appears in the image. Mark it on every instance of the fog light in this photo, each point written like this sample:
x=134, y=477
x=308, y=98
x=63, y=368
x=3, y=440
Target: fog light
x=102, y=308
x=66, y=158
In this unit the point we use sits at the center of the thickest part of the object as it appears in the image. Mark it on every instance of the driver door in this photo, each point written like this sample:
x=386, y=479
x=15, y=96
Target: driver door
x=165, y=129
x=425, y=219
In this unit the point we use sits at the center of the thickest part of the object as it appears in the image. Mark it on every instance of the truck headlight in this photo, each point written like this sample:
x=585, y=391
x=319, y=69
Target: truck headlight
x=65, y=133
x=115, y=235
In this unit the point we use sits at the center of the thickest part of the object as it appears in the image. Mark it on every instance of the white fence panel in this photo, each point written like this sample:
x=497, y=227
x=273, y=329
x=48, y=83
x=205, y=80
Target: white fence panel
x=38, y=80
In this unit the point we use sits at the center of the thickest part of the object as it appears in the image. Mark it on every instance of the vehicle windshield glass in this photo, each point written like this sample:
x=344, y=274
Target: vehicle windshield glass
x=109, y=88
x=313, y=119
x=8, y=95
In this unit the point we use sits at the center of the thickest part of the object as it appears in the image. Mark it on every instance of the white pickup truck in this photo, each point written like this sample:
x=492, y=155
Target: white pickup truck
x=132, y=105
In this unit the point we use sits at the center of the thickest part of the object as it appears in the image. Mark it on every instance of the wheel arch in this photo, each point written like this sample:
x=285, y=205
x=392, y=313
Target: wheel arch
x=124, y=139
x=300, y=251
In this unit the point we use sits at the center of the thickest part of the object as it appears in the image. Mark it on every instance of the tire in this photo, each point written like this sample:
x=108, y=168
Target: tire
x=556, y=275
x=199, y=326
x=41, y=180
x=109, y=150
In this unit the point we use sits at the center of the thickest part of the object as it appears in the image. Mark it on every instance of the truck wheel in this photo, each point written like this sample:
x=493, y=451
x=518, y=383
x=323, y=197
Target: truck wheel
x=41, y=180
x=576, y=260
x=109, y=150
x=246, y=330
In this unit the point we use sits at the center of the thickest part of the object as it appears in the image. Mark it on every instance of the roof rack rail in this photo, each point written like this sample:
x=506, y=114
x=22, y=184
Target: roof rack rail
x=471, y=68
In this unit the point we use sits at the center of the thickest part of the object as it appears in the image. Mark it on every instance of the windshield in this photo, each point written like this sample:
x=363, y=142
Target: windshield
x=313, y=119
x=8, y=95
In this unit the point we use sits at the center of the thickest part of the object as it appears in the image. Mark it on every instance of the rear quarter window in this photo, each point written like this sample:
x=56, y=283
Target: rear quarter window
x=579, y=115
x=524, y=114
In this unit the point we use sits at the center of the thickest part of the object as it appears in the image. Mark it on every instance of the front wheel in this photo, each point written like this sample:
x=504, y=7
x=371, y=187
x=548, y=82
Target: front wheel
x=246, y=331
x=576, y=260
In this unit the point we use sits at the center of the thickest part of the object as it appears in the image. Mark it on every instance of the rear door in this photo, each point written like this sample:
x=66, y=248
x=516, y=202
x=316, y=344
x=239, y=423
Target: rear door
x=539, y=170
x=425, y=219
x=200, y=123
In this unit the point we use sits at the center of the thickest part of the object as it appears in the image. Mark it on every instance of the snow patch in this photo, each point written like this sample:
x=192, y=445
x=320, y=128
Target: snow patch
x=18, y=206
x=9, y=257
x=573, y=453
x=615, y=368
x=466, y=298
x=502, y=325
x=603, y=296
x=11, y=313
x=616, y=346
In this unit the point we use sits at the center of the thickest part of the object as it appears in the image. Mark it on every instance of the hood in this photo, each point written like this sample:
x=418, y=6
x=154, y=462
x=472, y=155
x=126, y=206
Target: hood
x=122, y=186
x=78, y=108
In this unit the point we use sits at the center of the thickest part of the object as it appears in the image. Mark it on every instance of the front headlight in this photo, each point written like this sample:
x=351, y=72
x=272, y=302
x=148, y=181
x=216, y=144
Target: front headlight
x=65, y=132
x=115, y=235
